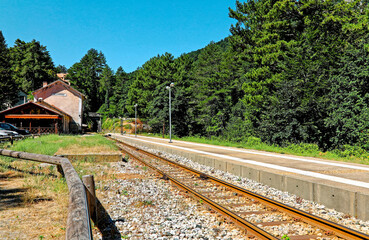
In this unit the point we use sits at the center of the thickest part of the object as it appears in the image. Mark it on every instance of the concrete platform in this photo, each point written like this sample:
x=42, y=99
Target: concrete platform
x=338, y=185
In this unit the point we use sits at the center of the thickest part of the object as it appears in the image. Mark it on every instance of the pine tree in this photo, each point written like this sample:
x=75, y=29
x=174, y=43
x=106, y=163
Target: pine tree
x=8, y=88
x=61, y=69
x=31, y=65
x=212, y=91
x=292, y=48
x=86, y=75
x=119, y=97
x=106, y=84
x=154, y=73
x=348, y=108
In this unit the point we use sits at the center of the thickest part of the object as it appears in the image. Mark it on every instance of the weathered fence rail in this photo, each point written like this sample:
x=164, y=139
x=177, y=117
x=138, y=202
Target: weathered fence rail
x=11, y=138
x=78, y=222
x=21, y=137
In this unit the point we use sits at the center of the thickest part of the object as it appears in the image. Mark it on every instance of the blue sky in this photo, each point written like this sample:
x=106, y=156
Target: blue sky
x=128, y=32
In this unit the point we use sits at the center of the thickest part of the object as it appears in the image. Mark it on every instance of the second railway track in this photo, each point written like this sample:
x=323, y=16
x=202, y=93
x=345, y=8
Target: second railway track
x=249, y=210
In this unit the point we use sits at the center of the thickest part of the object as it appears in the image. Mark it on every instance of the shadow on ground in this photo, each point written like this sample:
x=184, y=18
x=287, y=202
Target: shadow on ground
x=104, y=223
x=10, y=198
x=26, y=171
x=14, y=197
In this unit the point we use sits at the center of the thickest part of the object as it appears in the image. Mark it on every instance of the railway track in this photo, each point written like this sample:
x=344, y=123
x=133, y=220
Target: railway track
x=249, y=210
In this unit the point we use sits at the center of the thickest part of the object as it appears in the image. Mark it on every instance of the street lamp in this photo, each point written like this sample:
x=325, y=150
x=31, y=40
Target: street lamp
x=170, y=112
x=135, y=120
x=121, y=125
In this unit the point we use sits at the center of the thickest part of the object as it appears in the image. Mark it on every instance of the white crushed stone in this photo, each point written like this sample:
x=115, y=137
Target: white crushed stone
x=152, y=208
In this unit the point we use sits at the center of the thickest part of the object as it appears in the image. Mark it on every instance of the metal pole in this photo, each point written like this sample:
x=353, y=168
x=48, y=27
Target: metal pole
x=121, y=126
x=135, y=120
x=170, y=118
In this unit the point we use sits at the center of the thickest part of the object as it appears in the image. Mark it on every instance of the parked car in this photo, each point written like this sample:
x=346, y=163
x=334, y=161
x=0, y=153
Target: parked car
x=9, y=127
x=7, y=133
x=3, y=134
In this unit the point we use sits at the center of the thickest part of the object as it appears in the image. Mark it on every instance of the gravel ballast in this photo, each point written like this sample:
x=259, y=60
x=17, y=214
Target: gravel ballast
x=144, y=206
x=285, y=197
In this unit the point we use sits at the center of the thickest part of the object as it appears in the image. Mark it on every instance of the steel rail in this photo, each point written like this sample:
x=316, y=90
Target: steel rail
x=306, y=217
x=237, y=219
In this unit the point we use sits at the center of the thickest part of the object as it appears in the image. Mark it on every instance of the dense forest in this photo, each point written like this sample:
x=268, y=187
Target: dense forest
x=290, y=72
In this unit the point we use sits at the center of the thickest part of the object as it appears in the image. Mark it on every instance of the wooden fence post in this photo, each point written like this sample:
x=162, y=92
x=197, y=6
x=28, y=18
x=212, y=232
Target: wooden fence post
x=88, y=181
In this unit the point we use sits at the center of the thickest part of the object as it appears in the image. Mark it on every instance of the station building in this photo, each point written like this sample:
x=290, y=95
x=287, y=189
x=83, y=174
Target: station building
x=57, y=108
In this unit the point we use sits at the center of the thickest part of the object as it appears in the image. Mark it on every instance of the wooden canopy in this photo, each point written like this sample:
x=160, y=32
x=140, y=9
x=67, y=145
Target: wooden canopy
x=33, y=116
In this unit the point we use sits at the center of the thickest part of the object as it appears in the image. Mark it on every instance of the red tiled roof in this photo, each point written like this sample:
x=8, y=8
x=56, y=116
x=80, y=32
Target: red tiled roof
x=39, y=105
x=64, y=84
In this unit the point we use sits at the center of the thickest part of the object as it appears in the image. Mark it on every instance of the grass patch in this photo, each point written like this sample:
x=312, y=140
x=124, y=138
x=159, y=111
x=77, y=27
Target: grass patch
x=39, y=195
x=37, y=198
x=346, y=153
x=50, y=144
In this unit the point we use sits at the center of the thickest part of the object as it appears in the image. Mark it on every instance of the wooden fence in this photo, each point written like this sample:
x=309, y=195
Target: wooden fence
x=10, y=138
x=78, y=222
x=41, y=130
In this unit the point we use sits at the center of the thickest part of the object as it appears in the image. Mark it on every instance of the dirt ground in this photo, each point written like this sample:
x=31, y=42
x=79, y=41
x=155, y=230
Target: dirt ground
x=24, y=218
x=34, y=197
x=30, y=211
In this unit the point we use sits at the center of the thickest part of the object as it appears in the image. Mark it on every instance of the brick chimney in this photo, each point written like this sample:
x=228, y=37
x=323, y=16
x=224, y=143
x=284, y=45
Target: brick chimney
x=44, y=84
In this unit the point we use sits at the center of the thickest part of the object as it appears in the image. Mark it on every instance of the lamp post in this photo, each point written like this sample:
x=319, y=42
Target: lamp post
x=170, y=112
x=135, y=120
x=121, y=125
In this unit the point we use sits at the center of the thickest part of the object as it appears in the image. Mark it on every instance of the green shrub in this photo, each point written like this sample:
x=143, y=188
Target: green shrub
x=127, y=126
x=253, y=141
x=303, y=148
x=348, y=151
x=111, y=123
x=107, y=123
